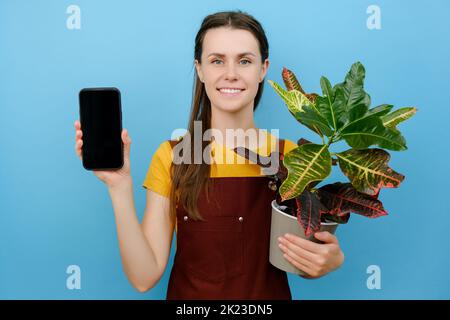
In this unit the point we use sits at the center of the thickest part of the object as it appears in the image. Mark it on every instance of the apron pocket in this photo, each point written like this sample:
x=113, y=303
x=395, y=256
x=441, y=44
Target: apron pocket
x=212, y=250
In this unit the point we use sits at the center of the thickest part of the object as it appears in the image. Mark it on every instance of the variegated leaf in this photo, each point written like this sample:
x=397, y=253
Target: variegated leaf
x=309, y=212
x=368, y=170
x=303, y=110
x=340, y=199
x=306, y=163
x=294, y=99
x=335, y=218
x=393, y=119
x=291, y=83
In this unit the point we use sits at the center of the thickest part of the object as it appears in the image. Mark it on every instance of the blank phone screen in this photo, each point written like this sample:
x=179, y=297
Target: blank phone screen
x=101, y=123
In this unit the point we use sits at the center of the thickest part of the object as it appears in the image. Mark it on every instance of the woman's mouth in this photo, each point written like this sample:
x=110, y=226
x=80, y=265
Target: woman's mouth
x=230, y=92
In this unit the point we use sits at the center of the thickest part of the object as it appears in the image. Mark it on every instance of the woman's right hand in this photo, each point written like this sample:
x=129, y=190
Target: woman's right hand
x=111, y=178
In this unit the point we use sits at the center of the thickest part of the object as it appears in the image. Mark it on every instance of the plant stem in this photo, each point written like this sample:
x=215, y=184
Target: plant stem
x=330, y=141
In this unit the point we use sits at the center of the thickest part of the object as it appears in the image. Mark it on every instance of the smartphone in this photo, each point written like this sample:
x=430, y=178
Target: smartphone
x=101, y=123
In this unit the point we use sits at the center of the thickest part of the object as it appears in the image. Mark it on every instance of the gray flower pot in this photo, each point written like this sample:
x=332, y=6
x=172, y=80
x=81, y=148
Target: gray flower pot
x=283, y=223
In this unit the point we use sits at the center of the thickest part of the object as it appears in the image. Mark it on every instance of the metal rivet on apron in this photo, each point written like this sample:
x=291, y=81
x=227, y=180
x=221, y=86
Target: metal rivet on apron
x=241, y=219
x=185, y=218
x=272, y=185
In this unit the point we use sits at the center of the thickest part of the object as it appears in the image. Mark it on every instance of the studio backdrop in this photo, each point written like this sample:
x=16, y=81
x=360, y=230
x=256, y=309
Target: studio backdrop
x=58, y=236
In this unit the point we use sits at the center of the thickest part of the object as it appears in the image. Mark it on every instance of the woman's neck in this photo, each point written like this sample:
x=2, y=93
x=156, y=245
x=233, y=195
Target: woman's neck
x=235, y=128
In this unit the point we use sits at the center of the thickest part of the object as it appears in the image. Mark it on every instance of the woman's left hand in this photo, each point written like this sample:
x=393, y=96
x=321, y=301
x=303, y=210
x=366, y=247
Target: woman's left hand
x=313, y=258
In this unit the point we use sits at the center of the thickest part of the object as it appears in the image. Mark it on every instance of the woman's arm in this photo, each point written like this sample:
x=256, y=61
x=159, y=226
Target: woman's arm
x=144, y=248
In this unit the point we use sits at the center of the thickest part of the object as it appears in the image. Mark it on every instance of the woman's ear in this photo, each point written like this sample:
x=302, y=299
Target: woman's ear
x=264, y=68
x=198, y=67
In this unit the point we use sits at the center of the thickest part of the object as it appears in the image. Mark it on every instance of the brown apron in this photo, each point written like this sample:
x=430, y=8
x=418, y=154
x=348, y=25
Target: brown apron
x=227, y=256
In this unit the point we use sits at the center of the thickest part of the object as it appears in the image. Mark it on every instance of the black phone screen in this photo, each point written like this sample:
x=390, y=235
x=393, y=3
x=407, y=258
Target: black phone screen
x=101, y=124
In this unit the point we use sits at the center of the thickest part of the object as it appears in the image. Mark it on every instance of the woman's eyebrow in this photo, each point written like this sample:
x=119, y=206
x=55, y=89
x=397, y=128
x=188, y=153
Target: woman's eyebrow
x=239, y=55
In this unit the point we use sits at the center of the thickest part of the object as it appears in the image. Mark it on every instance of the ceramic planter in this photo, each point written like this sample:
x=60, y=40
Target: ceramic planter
x=283, y=223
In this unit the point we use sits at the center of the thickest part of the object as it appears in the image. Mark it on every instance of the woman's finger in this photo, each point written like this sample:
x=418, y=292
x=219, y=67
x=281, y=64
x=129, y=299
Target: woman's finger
x=79, y=145
x=326, y=237
x=299, y=265
x=299, y=251
x=304, y=243
x=126, y=137
x=126, y=141
x=302, y=256
x=77, y=125
x=78, y=152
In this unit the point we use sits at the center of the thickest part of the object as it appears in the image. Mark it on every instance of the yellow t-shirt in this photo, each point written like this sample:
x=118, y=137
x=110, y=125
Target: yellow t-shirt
x=158, y=175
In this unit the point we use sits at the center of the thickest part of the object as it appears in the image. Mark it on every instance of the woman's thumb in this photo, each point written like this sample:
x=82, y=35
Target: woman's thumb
x=325, y=236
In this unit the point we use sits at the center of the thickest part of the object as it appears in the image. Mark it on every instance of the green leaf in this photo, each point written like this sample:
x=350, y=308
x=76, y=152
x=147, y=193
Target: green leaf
x=380, y=110
x=342, y=199
x=327, y=89
x=357, y=100
x=393, y=119
x=306, y=163
x=310, y=118
x=332, y=106
x=377, y=111
x=369, y=131
x=368, y=170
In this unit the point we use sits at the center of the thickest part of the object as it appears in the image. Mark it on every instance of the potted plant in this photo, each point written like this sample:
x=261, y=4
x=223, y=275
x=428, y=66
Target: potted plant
x=341, y=113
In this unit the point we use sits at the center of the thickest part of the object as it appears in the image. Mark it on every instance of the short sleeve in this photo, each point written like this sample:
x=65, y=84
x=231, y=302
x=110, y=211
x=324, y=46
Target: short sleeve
x=158, y=175
x=289, y=145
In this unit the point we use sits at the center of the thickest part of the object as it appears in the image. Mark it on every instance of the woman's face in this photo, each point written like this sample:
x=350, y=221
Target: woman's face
x=231, y=68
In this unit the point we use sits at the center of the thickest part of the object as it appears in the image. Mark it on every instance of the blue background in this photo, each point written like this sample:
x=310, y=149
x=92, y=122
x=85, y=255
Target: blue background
x=53, y=213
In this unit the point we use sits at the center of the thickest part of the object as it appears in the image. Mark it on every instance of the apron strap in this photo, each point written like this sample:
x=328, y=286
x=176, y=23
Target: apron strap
x=281, y=146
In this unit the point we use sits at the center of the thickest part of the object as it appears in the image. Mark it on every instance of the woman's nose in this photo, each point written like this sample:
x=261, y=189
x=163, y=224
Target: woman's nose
x=231, y=72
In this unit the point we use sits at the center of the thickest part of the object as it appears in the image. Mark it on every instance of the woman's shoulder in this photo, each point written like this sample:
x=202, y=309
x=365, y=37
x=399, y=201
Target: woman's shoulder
x=164, y=151
x=289, y=145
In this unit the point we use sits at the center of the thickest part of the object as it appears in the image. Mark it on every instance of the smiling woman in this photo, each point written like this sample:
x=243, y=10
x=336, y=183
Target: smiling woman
x=221, y=212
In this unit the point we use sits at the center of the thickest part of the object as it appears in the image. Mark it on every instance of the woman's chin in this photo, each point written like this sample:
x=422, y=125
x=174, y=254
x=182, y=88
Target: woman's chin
x=230, y=106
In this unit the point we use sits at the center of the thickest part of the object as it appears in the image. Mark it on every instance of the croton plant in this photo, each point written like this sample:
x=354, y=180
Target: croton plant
x=342, y=112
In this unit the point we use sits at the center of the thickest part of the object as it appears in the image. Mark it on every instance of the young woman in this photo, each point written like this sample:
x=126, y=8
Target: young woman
x=220, y=211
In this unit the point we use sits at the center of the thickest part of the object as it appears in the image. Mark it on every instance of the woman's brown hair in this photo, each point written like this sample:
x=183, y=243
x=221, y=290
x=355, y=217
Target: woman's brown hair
x=189, y=179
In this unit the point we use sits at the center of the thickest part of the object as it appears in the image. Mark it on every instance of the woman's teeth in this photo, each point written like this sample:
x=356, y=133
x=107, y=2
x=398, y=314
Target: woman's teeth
x=224, y=90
